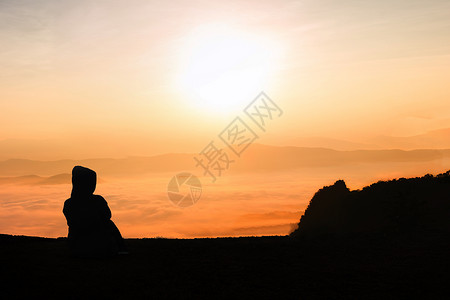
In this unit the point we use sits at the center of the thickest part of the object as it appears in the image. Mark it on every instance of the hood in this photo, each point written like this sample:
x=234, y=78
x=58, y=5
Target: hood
x=84, y=181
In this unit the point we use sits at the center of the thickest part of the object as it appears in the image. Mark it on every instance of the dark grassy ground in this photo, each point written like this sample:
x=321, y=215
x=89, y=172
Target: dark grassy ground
x=250, y=268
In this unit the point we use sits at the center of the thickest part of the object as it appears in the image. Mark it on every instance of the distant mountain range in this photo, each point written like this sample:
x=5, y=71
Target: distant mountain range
x=38, y=180
x=47, y=149
x=256, y=158
x=436, y=139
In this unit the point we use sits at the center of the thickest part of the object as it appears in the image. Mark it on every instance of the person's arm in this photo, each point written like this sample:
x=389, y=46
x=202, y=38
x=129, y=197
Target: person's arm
x=66, y=212
x=104, y=211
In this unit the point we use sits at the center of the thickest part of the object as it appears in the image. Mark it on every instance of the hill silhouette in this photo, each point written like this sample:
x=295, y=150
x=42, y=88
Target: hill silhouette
x=414, y=206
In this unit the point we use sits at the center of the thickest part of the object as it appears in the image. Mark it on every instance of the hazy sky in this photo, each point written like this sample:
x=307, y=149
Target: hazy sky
x=177, y=72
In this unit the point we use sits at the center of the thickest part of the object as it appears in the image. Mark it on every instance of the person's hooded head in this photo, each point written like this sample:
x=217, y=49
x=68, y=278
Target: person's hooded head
x=84, y=181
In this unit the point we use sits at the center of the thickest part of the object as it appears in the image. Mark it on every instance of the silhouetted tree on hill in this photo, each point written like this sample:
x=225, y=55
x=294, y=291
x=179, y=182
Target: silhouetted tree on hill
x=413, y=206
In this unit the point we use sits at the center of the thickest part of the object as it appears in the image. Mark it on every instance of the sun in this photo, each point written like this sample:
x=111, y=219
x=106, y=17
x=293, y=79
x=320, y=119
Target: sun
x=224, y=68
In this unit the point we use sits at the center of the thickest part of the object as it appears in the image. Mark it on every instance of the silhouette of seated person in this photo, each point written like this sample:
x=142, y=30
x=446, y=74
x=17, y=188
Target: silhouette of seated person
x=92, y=233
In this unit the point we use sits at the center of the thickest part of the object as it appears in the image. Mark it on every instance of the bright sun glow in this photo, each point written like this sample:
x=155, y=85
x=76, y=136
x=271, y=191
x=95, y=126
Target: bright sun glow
x=224, y=68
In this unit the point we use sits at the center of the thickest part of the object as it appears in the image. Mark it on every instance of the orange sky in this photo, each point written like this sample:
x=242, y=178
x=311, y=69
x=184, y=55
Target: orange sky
x=89, y=79
x=138, y=69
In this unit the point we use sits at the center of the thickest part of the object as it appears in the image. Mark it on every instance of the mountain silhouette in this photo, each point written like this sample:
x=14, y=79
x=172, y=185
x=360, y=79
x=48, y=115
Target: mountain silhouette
x=256, y=158
x=37, y=180
x=435, y=139
x=415, y=207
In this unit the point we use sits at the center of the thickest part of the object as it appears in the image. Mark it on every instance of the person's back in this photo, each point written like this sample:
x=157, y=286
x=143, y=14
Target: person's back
x=91, y=231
